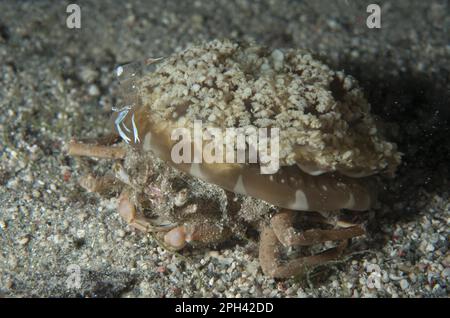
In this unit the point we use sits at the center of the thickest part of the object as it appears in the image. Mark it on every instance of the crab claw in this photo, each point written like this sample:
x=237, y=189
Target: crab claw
x=176, y=237
x=126, y=209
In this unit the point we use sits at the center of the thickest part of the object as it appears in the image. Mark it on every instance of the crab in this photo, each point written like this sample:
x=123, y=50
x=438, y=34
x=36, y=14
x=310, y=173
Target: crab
x=330, y=153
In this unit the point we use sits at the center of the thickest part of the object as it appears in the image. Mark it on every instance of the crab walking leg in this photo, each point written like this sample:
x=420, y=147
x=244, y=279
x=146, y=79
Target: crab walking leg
x=282, y=225
x=269, y=255
x=96, y=151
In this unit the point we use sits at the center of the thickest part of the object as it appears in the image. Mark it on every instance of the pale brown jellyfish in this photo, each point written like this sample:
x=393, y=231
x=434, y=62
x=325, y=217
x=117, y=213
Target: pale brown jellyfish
x=329, y=145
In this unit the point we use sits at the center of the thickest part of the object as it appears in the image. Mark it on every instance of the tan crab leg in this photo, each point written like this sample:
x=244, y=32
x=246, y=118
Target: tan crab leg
x=269, y=255
x=282, y=225
x=282, y=234
x=96, y=151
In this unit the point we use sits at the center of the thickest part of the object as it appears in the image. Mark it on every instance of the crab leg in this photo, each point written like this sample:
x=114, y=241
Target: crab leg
x=174, y=235
x=128, y=212
x=96, y=151
x=282, y=225
x=282, y=233
x=269, y=254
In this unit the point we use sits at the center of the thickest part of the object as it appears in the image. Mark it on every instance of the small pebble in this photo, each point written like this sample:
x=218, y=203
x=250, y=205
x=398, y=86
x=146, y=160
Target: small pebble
x=23, y=240
x=36, y=194
x=404, y=284
x=93, y=90
x=88, y=75
x=120, y=233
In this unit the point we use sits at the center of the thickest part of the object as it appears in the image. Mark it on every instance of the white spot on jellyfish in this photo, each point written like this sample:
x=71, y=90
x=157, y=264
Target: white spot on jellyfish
x=148, y=142
x=350, y=203
x=301, y=203
x=239, y=187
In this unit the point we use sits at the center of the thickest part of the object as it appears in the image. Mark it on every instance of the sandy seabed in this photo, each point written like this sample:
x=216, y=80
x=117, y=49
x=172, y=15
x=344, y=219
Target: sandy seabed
x=56, y=83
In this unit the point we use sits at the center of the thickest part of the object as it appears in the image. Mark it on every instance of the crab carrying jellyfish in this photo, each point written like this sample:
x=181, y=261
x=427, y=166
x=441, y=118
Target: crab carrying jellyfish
x=330, y=147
